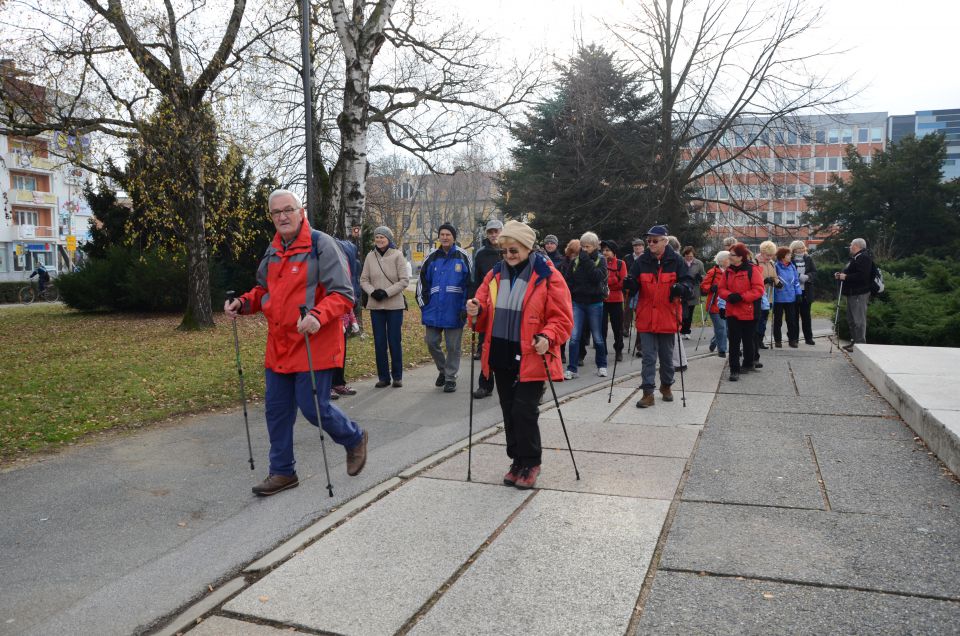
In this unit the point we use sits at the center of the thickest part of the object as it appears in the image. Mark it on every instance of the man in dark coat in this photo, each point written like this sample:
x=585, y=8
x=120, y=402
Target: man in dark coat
x=855, y=280
x=483, y=261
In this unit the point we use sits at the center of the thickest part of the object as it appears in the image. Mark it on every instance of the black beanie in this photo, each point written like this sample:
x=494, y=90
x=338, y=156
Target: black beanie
x=450, y=228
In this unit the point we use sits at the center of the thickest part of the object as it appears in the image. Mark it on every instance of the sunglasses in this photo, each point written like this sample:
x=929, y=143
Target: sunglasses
x=512, y=251
x=653, y=241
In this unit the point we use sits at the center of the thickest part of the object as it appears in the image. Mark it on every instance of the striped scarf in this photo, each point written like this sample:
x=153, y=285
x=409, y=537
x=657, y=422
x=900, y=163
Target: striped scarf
x=508, y=316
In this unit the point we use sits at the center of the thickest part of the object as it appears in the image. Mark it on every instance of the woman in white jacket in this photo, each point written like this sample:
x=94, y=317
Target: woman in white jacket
x=384, y=278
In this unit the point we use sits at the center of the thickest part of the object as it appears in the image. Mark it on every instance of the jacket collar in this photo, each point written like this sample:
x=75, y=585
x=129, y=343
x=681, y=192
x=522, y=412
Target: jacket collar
x=300, y=241
x=541, y=267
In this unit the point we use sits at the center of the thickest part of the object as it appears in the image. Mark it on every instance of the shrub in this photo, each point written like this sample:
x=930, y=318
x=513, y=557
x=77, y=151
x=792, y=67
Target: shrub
x=97, y=284
x=127, y=281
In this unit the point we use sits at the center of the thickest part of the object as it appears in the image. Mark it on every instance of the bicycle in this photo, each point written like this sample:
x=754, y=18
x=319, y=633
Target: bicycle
x=31, y=293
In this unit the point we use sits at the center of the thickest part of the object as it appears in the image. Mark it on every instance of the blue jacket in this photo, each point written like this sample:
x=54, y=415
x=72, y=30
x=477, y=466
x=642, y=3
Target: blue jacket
x=442, y=289
x=790, y=277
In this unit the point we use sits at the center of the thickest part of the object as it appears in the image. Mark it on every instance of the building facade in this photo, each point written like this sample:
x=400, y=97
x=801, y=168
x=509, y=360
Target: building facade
x=926, y=122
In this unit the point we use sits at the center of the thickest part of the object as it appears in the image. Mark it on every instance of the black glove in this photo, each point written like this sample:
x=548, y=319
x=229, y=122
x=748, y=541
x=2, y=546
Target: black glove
x=779, y=284
x=378, y=294
x=713, y=289
x=676, y=291
x=734, y=298
x=768, y=280
x=723, y=313
x=463, y=315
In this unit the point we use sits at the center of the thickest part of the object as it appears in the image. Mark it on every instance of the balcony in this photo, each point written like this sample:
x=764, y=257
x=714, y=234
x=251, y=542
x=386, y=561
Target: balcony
x=25, y=232
x=30, y=162
x=32, y=197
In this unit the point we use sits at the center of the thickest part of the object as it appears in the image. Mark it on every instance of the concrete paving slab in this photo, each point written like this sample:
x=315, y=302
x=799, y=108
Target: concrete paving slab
x=590, y=407
x=665, y=413
x=861, y=404
x=841, y=426
x=890, y=554
x=222, y=626
x=827, y=377
x=662, y=441
x=772, y=380
x=886, y=478
x=384, y=564
x=769, y=469
x=584, y=557
x=682, y=604
x=600, y=473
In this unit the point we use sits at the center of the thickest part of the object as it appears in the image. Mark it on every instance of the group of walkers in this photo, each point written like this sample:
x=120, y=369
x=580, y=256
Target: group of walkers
x=533, y=309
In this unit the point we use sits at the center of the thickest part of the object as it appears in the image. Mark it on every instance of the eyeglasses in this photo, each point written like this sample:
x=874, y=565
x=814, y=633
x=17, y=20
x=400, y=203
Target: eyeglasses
x=653, y=241
x=512, y=251
x=288, y=212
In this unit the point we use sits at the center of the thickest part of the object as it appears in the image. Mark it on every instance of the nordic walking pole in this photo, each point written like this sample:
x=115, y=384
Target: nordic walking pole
x=703, y=323
x=612, y=378
x=771, y=316
x=562, y=424
x=683, y=390
x=316, y=401
x=836, y=320
x=473, y=344
x=232, y=296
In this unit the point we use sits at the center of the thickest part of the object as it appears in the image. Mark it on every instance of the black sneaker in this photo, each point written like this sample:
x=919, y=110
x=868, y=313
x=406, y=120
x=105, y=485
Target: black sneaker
x=713, y=347
x=440, y=380
x=734, y=376
x=481, y=393
x=449, y=386
x=722, y=354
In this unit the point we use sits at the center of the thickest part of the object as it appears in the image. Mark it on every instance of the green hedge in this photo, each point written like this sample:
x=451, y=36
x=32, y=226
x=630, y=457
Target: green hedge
x=8, y=291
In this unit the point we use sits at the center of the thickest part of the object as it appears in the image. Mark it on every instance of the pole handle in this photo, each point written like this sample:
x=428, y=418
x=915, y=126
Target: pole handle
x=231, y=296
x=303, y=311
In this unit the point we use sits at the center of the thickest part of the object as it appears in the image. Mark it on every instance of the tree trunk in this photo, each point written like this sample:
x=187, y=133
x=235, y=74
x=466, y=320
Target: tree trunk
x=353, y=123
x=199, y=314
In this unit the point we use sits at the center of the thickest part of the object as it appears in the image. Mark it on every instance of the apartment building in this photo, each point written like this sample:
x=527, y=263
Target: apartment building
x=925, y=122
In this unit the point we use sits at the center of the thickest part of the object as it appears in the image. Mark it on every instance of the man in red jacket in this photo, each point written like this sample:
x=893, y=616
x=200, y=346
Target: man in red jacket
x=301, y=267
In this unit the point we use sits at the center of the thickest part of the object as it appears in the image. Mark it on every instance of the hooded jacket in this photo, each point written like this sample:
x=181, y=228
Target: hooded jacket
x=289, y=277
x=745, y=279
x=547, y=310
x=656, y=311
x=791, y=291
x=442, y=288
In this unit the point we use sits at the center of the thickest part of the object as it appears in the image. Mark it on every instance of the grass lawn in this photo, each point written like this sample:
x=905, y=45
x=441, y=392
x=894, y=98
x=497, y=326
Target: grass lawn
x=68, y=374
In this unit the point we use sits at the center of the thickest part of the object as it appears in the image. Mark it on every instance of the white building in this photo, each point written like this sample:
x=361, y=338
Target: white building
x=44, y=212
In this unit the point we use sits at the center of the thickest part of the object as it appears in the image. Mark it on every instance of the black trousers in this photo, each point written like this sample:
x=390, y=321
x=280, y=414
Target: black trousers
x=741, y=332
x=613, y=314
x=788, y=311
x=519, y=402
x=687, y=318
x=803, y=308
x=485, y=382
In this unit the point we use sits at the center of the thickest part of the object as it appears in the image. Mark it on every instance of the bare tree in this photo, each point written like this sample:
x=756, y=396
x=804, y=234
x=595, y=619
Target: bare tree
x=108, y=66
x=732, y=77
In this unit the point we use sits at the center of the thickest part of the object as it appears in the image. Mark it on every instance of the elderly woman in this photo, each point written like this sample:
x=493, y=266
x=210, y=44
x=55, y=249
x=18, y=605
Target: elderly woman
x=766, y=258
x=697, y=272
x=384, y=278
x=741, y=287
x=709, y=286
x=585, y=278
x=523, y=309
x=785, y=299
x=806, y=269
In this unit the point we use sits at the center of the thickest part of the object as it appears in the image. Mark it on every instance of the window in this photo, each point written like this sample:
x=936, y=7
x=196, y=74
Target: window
x=780, y=137
x=805, y=164
x=847, y=136
x=32, y=147
x=24, y=182
x=820, y=164
x=28, y=217
x=843, y=163
x=778, y=218
x=876, y=134
x=791, y=191
x=792, y=138
x=833, y=164
x=821, y=137
x=833, y=136
x=863, y=136
x=790, y=218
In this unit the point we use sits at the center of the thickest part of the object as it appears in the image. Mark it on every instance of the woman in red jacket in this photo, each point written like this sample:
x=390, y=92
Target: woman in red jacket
x=741, y=287
x=613, y=304
x=524, y=310
x=709, y=286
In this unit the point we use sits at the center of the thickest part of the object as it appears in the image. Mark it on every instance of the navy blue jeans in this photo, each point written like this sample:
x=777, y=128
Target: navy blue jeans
x=587, y=316
x=387, y=325
x=286, y=392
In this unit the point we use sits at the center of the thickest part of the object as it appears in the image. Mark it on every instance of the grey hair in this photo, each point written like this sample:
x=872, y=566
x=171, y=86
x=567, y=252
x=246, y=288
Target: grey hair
x=722, y=255
x=590, y=239
x=730, y=241
x=859, y=242
x=281, y=192
x=674, y=242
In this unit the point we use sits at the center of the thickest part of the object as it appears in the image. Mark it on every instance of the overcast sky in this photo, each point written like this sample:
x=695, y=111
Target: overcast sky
x=902, y=54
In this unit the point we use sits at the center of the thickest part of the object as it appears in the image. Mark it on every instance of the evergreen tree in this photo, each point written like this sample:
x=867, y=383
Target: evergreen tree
x=584, y=157
x=897, y=202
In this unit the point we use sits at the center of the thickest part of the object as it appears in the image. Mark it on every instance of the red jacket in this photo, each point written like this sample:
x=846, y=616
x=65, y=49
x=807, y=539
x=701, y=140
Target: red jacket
x=750, y=288
x=616, y=273
x=291, y=277
x=712, y=278
x=656, y=312
x=547, y=310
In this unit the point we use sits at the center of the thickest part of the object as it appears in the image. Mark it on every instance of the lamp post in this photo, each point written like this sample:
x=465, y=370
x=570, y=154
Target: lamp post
x=311, y=203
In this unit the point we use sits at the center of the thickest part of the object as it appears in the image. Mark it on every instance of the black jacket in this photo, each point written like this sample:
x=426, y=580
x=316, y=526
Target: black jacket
x=483, y=261
x=809, y=269
x=585, y=278
x=556, y=256
x=858, y=274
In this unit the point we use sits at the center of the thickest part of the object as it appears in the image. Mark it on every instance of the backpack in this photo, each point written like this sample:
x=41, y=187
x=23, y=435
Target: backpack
x=876, y=279
x=604, y=286
x=353, y=262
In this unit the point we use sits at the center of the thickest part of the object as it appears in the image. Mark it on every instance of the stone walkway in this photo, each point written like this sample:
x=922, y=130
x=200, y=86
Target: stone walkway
x=793, y=501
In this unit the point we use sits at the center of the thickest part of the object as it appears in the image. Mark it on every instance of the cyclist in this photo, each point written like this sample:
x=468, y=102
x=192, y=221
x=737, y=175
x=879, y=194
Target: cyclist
x=43, y=276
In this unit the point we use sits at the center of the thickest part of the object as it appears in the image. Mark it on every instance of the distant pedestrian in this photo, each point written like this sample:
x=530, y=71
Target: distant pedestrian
x=785, y=299
x=483, y=261
x=43, y=276
x=550, y=248
x=856, y=287
x=339, y=382
x=586, y=279
x=741, y=287
x=630, y=297
x=385, y=278
x=570, y=252
x=766, y=258
x=718, y=316
x=442, y=296
x=301, y=266
x=697, y=272
x=523, y=307
x=613, y=304
x=662, y=283
x=806, y=268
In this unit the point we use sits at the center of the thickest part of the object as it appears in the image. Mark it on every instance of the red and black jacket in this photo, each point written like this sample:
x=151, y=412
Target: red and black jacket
x=656, y=311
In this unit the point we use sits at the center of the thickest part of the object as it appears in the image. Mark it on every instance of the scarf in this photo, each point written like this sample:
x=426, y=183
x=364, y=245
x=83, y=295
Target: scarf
x=800, y=263
x=508, y=316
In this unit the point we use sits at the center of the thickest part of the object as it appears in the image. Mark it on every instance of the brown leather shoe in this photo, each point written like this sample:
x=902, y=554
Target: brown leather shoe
x=357, y=457
x=646, y=401
x=666, y=393
x=274, y=484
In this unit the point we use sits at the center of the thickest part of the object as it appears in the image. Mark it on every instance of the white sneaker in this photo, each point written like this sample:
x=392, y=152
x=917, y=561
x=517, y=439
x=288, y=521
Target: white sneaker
x=569, y=375
x=602, y=372
x=686, y=336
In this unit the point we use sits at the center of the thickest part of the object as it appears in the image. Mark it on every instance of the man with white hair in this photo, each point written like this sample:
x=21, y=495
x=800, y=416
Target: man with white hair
x=301, y=267
x=855, y=280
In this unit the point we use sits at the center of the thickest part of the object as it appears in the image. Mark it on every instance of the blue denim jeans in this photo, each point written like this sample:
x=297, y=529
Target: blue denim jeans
x=589, y=316
x=719, y=332
x=286, y=392
x=387, y=324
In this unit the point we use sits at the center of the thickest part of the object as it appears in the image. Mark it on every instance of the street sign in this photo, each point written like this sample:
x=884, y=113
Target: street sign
x=71, y=243
x=18, y=249
x=356, y=230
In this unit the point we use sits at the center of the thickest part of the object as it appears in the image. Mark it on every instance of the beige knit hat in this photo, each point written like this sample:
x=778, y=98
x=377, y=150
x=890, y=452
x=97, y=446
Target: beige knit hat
x=519, y=232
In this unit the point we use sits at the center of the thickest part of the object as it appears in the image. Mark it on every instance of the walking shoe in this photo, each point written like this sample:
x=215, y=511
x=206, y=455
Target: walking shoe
x=848, y=348
x=382, y=383
x=481, y=393
x=397, y=384
x=440, y=380
x=679, y=369
x=734, y=376
x=763, y=346
x=757, y=365
x=666, y=393
x=777, y=344
x=527, y=478
x=570, y=375
x=686, y=336
x=357, y=457
x=811, y=341
x=619, y=356
x=510, y=479
x=334, y=395
x=747, y=367
x=602, y=372
x=449, y=386
x=713, y=347
x=722, y=354
x=646, y=401
x=343, y=389
x=793, y=344
x=274, y=484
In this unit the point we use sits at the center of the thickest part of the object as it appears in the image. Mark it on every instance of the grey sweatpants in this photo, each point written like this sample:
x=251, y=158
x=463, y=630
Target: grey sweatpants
x=448, y=364
x=857, y=317
x=657, y=346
